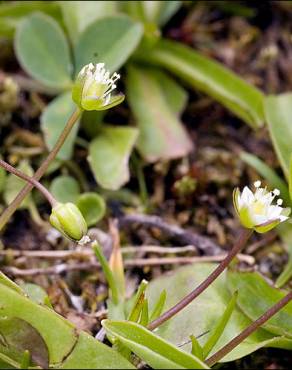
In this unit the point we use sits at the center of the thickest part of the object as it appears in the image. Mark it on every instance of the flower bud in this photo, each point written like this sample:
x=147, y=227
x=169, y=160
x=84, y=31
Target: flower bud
x=93, y=88
x=67, y=218
x=256, y=210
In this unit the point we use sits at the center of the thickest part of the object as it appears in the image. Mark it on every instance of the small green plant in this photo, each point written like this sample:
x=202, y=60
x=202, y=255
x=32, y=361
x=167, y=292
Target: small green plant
x=116, y=33
x=199, y=316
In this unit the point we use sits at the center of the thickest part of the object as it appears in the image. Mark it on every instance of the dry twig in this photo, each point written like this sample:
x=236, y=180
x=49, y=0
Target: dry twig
x=182, y=236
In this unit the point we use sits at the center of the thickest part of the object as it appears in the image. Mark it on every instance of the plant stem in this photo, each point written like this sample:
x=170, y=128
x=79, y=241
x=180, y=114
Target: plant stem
x=239, y=244
x=249, y=330
x=8, y=212
x=30, y=180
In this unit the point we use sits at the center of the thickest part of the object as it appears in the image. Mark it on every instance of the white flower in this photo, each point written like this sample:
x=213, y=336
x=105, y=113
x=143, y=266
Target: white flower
x=256, y=209
x=93, y=88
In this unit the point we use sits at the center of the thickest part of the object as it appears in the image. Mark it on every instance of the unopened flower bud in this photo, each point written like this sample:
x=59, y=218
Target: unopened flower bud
x=93, y=88
x=67, y=218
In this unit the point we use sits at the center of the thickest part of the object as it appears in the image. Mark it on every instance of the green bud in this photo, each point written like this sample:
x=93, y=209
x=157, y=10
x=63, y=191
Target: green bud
x=67, y=218
x=93, y=88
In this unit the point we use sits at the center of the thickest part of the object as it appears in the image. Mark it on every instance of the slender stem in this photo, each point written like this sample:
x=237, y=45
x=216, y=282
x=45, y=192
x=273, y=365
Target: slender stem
x=240, y=243
x=249, y=330
x=8, y=212
x=29, y=179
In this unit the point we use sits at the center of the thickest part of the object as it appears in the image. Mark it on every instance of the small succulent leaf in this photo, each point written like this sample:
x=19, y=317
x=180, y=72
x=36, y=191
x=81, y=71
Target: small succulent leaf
x=65, y=189
x=92, y=206
x=43, y=51
x=110, y=40
x=114, y=144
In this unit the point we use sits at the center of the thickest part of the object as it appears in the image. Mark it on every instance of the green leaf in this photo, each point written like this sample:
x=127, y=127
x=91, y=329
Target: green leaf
x=219, y=328
x=255, y=296
x=18, y=336
x=65, y=189
x=92, y=207
x=278, y=111
x=19, y=9
x=205, y=311
x=14, y=184
x=159, y=305
x=160, y=12
x=167, y=10
x=107, y=272
x=156, y=352
x=144, y=319
x=290, y=179
x=11, y=14
x=285, y=233
x=3, y=176
x=274, y=181
x=43, y=51
x=47, y=336
x=109, y=154
x=209, y=76
x=175, y=95
x=138, y=302
x=89, y=353
x=162, y=135
x=110, y=40
x=79, y=14
x=35, y=293
x=197, y=350
x=53, y=121
x=58, y=334
x=150, y=12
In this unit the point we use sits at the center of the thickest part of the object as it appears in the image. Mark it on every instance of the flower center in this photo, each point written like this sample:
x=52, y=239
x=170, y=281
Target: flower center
x=258, y=207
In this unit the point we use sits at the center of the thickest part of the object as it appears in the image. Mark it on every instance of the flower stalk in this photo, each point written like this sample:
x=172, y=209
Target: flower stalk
x=249, y=330
x=9, y=211
x=238, y=246
x=30, y=180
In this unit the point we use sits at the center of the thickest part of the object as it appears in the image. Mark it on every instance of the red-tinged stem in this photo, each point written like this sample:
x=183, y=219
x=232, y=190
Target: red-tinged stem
x=30, y=180
x=8, y=212
x=238, y=246
x=249, y=330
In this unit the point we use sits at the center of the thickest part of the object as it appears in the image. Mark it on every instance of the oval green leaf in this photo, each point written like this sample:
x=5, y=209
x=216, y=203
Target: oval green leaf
x=65, y=189
x=109, y=154
x=110, y=40
x=79, y=14
x=43, y=52
x=155, y=351
x=161, y=133
x=53, y=121
x=92, y=207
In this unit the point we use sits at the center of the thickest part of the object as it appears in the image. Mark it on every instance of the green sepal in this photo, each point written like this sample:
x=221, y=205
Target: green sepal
x=93, y=103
